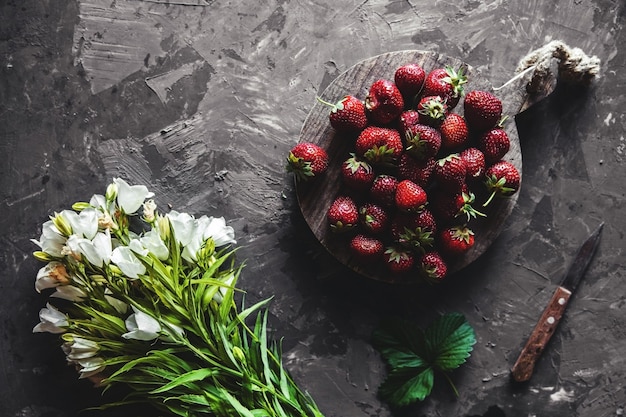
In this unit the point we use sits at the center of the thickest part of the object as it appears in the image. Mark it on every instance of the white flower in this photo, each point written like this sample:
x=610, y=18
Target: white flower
x=128, y=263
x=51, y=240
x=70, y=293
x=152, y=242
x=80, y=348
x=51, y=275
x=120, y=306
x=84, y=224
x=149, y=207
x=141, y=326
x=130, y=197
x=52, y=320
x=90, y=366
x=220, y=233
x=184, y=226
x=97, y=251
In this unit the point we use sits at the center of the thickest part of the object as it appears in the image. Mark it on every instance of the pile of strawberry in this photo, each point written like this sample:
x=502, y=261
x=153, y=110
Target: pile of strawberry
x=416, y=166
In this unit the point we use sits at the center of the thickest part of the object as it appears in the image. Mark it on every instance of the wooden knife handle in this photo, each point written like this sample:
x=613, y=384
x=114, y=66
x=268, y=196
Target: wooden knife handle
x=543, y=331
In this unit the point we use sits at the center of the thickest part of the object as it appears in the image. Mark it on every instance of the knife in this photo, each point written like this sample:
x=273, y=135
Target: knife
x=549, y=320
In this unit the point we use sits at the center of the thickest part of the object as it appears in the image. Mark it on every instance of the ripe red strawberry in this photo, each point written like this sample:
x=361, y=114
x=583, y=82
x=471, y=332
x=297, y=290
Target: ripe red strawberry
x=367, y=249
x=343, y=214
x=418, y=171
x=398, y=260
x=446, y=83
x=456, y=240
x=414, y=230
x=410, y=197
x=433, y=267
x=494, y=144
x=373, y=218
x=475, y=164
x=357, y=173
x=384, y=102
x=454, y=132
x=407, y=119
x=307, y=160
x=409, y=79
x=383, y=190
x=502, y=179
x=482, y=109
x=432, y=110
x=423, y=142
x=347, y=115
x=379, y=145
x=454, y=206
x=450, y=172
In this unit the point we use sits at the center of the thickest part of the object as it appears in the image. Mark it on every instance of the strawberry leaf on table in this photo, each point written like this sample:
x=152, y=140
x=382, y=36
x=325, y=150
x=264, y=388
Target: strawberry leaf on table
x=415, y=355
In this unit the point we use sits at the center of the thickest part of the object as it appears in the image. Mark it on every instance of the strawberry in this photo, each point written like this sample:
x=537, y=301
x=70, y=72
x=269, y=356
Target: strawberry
x=307, y=160
x=343, y=214
x=494, y=144
x=367, y=249
x=451, y=206
x=450, y=172
x=384, y=102
x=347, y=115
x=410, y=197
x=475, y=163
x=432, y=110
x=373, y=218
x=357, y=173
x=398, y=260
x=456, y=240
x=446, y=83
x=407, y=119
x=433, y=267
x=503, y=179
x=415, y=230
x=383, y=190
x=418, y=171
x=422, y=142
x=379, y=145
x=482, y=109
x=409, y=79
x=454, y=132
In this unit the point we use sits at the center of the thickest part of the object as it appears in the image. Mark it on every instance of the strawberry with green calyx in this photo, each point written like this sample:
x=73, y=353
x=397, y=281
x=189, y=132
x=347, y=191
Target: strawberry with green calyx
x=447, y=83
x=398, y=260
x=454, y=206
x=347, y=115
x=367, y=249
x=373, y=218
x=307, y=160
x=432, y=110
x=474, y=163
x=422, y=141
x=416, y=231
x=409, y=79
x=433, y=267
x=450, y=172
x=494, y=143
x=383, y=190
x=416, y=170
x=482, y=110
x=342, y=215
x=357, y=173
x=455, y=240
x=502, y=179
x=379, y=145
x=410, y=197
x=384, y=102
x=454, y=132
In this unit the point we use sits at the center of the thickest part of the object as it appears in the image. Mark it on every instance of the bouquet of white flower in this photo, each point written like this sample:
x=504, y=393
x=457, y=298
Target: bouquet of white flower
x=147, y=301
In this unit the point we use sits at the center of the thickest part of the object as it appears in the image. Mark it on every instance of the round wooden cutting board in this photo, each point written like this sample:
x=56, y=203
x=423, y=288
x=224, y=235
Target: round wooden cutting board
x=315, y=197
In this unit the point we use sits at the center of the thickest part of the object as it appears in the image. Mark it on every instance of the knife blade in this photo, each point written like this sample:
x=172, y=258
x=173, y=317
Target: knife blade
x=544, y=329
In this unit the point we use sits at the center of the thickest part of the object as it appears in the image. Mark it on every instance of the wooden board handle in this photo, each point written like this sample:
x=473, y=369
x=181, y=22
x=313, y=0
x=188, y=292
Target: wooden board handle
x=543, y=331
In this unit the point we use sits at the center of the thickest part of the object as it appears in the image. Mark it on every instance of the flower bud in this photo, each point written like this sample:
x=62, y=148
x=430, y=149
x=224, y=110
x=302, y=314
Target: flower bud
x=111, y=193
x=80, y=206
x=62, y=224
x=239, y=355
x=42, y=256
x=149, y=209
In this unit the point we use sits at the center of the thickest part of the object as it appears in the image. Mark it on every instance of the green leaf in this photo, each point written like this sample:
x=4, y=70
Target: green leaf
x=184, y=379
x=414, y=355
x=404, y=386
